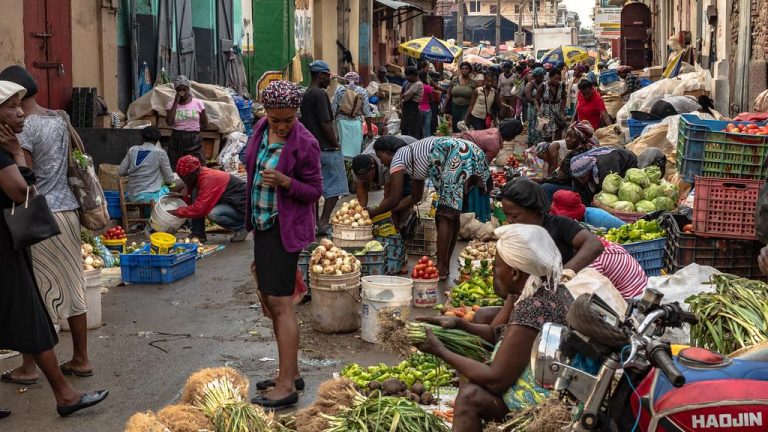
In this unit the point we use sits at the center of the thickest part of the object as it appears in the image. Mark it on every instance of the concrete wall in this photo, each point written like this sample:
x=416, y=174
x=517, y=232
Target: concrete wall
x=94, y=49
x=12, y=33
x=325, y=31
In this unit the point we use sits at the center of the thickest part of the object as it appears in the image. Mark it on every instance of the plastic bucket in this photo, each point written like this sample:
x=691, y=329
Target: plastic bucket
x=163, y=221
x=115, y=246
x=161, y=243
x=384, y=294
x=425, y=292
x=336, y=308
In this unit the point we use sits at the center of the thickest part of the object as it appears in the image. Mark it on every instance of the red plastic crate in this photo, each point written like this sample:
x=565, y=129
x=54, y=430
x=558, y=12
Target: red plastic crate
x=725, y=207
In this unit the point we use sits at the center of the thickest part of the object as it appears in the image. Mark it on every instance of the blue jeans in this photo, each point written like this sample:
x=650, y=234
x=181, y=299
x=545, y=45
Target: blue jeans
x=227, y=217
x=426, y=122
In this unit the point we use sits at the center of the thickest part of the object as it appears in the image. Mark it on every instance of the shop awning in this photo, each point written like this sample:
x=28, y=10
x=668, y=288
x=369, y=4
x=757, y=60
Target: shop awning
x=395, y=4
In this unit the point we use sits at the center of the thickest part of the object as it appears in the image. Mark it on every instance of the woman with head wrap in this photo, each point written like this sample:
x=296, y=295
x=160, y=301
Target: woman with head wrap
x=589, y=169
x=458, y=169
x=578, y=139
x=186, y=115
x=459, y=95
x=57, y=261
x=532, y=102
x=282, y=162
x=25, y=324
x=351, y=108
x=527, y=275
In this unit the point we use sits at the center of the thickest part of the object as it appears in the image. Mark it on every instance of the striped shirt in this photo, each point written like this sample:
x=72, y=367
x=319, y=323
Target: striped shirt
x=414, y=159
x=264, y=198
x=622, y=269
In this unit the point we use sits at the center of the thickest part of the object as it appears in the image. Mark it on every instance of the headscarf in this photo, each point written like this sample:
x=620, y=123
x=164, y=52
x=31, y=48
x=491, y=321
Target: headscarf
x=180, y=80
x=17, y=74
x=568, y=203
x=583, y=129
x=582, y=164
x=352, y=78
x=542, y=147
x=530, y=249
x=281, y=94
x=579, y=68
x=9, y=89
x=187, y=165
x=539, y=72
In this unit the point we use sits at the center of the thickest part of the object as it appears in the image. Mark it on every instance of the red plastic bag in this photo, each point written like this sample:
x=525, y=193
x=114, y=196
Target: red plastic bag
x=299, y=290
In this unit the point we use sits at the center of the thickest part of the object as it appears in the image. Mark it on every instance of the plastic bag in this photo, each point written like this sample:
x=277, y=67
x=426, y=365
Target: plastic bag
x=590, y=281
x=229, y=158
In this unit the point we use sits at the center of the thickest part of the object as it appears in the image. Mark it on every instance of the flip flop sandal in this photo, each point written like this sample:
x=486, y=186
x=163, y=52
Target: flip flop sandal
x=6, y=377
x=66, y=370
x=276, y=404
x=263, y=385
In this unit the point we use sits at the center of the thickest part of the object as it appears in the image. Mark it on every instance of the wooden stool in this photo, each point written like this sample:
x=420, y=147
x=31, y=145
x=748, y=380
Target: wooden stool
x=142, y=207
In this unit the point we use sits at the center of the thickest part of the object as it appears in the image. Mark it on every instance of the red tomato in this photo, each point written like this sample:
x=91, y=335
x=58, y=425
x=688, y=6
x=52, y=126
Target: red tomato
x=421, y=274
x=752, y=126
x=431, y=263
x=415, y=274
x=425, y=259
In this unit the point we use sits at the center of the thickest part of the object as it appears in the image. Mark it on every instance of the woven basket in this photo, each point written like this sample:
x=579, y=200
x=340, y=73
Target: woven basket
x=624, y=216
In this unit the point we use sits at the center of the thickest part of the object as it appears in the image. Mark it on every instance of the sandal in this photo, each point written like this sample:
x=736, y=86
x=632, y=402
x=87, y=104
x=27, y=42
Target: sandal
x=276, y=404
x=263, y=385
x=8, y=378
x=66, y=370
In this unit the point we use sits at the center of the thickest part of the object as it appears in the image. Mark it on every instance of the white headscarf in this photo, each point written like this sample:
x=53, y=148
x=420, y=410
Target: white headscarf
x=8, y=89
x=530, y=249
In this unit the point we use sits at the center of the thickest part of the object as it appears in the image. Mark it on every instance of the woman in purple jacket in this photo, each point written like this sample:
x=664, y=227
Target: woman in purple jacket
x=284, y=183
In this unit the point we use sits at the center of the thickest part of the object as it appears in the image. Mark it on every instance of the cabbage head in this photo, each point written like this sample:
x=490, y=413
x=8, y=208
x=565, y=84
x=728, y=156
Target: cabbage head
x=638, y=177
x=653, y=172
x=664, y=203
x=606, y=199
x=652, y=191
x=669, y=190
x=630, y=192
x=624, y=206
x=612, y=183
x=645, y=206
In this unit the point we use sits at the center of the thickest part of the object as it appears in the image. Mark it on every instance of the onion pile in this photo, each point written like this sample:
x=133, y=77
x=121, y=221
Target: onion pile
x=327, y=259
x=353, y=214
x=90, y=260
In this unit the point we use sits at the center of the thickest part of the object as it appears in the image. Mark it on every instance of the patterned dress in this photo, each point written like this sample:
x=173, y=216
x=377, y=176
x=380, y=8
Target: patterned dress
x=453, y=162
x=550, y=109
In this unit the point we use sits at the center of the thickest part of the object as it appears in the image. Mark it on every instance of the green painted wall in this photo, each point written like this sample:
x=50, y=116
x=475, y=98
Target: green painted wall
x=204, y=13
x=237, y=12
x=143, y=7
x=274, y=45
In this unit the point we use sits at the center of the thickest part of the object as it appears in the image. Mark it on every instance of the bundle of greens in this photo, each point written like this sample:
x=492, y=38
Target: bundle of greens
x=734, y=316
x=384, y=413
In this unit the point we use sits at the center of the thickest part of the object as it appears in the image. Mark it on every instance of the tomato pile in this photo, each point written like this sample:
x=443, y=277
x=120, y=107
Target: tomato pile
x=116, y=233
x=750, y=129
x=499, y=178
x=425, y=269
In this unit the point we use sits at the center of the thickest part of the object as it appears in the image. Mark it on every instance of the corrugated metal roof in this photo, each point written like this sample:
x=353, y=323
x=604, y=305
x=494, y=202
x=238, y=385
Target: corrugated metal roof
x=395, y=4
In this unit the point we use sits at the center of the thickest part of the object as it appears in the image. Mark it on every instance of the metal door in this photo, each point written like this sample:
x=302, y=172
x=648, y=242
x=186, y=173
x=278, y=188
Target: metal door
x=635, y=22
x=185, y=49
x=48, y=50
x=225, y=30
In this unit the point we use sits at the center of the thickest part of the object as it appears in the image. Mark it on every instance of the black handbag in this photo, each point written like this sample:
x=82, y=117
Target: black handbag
x=411, y=223
x=30, y=223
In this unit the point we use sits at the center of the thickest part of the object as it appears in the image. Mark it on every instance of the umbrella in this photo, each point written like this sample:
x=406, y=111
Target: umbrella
x=476, y=59
x=430, y=49
x=480, y=50
x=565, y=53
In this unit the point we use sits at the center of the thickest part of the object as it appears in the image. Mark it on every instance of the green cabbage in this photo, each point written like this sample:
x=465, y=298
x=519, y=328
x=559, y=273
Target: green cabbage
x=612, y=183
x=606, y=199
x=638, y=177
x=371, y=246
x=664, y=203
x=669, y=190
x=652, y=191
x=645, y=206
x=624, y=206
x=653, y=172
x=630, y=192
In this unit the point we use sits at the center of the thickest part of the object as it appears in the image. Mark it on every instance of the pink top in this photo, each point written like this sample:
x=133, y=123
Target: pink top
x=188, y=116
x=622, y=269
x=426, y=98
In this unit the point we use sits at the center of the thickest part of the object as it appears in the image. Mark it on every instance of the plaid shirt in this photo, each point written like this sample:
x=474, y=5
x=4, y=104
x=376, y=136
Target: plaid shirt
x=264, y=198
x=631, y=83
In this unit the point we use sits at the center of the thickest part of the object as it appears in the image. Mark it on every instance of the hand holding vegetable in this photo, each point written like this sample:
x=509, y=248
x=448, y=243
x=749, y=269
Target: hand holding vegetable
x=431, y=344
x=446, y=322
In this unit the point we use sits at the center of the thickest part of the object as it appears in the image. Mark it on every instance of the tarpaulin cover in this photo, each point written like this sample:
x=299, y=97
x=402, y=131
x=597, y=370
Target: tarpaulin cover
x=219, y=107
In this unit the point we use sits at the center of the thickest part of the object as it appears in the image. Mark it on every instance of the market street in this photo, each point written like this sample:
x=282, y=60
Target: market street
x=202, y=321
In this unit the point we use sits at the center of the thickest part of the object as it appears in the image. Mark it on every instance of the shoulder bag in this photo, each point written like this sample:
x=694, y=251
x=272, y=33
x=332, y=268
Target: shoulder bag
x=411, y=223
x=30, y=223
x=84, y=183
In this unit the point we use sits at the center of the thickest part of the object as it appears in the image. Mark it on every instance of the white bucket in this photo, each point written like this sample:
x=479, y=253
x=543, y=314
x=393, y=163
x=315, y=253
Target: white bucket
x=92, y=300
x=383, y=293
x=163, y=221
x=425, y=292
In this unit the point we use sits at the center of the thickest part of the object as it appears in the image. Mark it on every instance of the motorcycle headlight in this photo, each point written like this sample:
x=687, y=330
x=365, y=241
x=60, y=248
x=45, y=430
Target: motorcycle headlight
x=546, y=351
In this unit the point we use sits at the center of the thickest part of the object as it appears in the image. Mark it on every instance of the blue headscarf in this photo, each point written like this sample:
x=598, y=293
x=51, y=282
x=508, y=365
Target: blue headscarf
x=586, y=162
x=539, y=72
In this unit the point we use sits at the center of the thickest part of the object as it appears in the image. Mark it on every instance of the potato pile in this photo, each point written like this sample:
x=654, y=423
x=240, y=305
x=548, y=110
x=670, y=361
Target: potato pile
x=477, y=250
x=352, y=214
x=90, y=260
x=327, y=259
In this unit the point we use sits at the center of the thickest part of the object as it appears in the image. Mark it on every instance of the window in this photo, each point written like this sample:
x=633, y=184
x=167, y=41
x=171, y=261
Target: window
x=493, y=9
x=474, y=6
x=517, y=9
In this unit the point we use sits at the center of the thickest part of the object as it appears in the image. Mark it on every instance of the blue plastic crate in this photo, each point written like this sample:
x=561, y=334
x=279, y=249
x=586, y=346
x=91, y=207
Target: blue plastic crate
x=645, y=82
x=609, y=76
x=113, y=204
x=141, y=267
x=371, y=264
x=705, y=150
x=636, y=126
x=396, y=255
x=650, y=254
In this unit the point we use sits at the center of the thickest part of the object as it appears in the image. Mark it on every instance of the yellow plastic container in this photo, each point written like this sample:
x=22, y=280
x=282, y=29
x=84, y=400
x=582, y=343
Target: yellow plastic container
x=383, y=226
x=161, y=243
x=115, y=246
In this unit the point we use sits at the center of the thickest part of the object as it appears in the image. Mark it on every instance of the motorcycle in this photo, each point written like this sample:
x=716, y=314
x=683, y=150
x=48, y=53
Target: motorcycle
x=622, y=377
